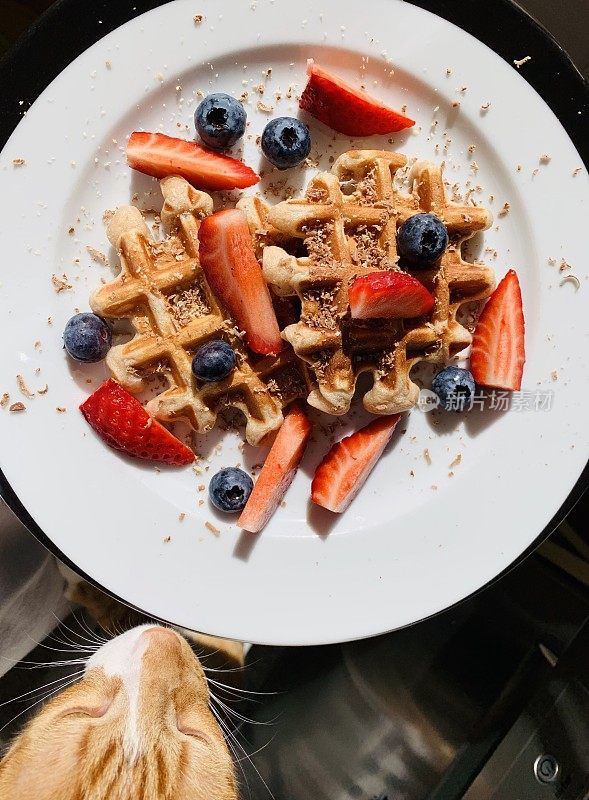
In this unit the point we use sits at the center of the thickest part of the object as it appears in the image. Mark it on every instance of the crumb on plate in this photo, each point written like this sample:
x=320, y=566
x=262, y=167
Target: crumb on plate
x=264, y=107
x=24, y=389
x=519, y=62
x=60, y=283
x=571, y=279
x=97, y=255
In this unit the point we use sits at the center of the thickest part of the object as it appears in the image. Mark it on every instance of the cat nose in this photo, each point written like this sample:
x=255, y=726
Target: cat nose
x=158, y=632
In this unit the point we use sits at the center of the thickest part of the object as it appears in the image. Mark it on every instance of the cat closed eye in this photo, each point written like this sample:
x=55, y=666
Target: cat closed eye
x=87, y=711
x=187, y=730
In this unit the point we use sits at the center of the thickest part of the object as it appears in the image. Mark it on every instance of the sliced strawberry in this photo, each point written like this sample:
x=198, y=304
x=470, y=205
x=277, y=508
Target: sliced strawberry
x=159, y=156
x=343, y=471
x=394, y=295
x=278, y=471
x=123, y=423
x=346, y=109
x=229, y=262
x=498, y=353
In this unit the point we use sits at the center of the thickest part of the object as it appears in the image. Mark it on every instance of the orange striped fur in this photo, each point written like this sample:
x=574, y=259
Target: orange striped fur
x=136, y=727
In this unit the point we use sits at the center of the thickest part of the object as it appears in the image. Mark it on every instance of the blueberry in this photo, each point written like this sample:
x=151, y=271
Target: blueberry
x=213, y=361
x=230, y=489
x=455, y=388
x=422, y=239
x=286, y=142
x=87, y=337
x=220, y=120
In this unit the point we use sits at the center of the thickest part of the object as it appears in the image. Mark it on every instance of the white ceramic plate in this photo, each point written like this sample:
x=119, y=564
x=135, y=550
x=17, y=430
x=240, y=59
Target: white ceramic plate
x=417, y=538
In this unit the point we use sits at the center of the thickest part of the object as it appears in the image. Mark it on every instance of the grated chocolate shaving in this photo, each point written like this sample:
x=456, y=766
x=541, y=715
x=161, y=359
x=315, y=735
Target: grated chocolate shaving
x=188, y=304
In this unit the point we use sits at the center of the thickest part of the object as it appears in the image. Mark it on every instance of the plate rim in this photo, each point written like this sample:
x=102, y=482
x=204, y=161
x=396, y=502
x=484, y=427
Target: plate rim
x=538, y=40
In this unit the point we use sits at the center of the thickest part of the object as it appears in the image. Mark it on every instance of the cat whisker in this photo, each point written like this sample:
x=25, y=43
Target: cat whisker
x=94, y=635
x=33, y=691
x=59, y=637
x=41, y=700
x=201, y=652
x=230, y=735
x=49, y=664
x=241, y=717
x=42, y=644
x=263, y=747
x=76, y=639
x=115, y=629
x=221, y=669
x=40, y=664
x=237, y=731
x=120, y=627
x=230, y=738
x=203, y=655
x=69, y=649
x=233, y=697
x=238, y=689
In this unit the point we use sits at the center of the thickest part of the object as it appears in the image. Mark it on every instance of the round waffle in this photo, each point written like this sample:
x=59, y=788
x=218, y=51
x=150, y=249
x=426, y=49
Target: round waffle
x=161, y=289
x=344, y=227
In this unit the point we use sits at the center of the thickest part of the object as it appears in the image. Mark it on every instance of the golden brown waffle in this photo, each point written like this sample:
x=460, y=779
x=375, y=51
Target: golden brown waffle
x=345, y=227
x=162, y=290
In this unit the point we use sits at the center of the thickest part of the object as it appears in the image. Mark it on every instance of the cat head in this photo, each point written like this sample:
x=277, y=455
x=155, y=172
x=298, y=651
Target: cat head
x=137, y=726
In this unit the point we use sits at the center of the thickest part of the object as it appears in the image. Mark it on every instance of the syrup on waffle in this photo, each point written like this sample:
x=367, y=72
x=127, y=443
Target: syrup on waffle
x=344, y=227
x=162, y=290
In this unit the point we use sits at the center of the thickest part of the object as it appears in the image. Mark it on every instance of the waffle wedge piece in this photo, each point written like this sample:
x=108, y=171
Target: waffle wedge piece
x=345, y=227
x=162, y=291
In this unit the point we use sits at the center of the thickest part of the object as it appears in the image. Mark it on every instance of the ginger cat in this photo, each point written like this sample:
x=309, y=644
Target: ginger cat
x=137, y=726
